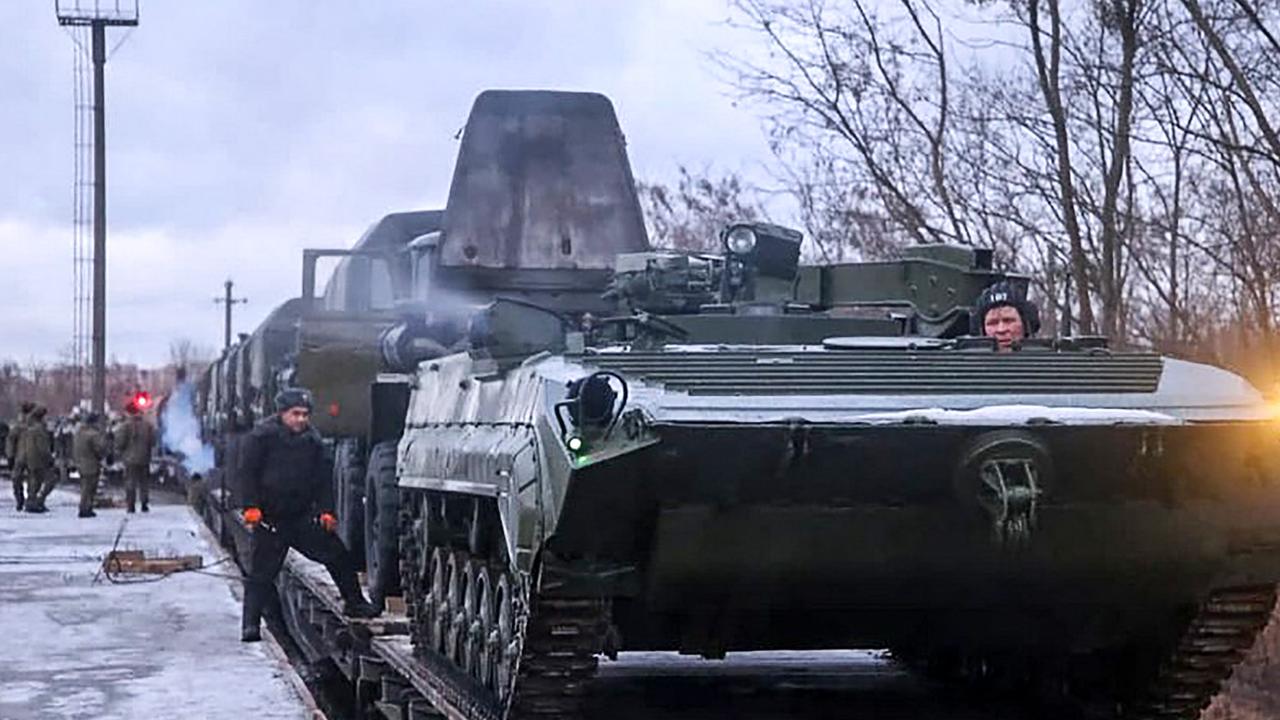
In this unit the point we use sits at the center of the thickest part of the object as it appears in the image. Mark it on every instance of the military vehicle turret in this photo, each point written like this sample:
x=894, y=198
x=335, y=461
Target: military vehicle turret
x=755, y=454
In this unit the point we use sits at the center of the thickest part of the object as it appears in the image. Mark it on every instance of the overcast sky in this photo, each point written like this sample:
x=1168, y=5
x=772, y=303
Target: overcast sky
x=240, y=131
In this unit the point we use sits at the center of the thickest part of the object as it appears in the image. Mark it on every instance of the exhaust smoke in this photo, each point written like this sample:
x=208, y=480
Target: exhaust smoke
x=181, y=430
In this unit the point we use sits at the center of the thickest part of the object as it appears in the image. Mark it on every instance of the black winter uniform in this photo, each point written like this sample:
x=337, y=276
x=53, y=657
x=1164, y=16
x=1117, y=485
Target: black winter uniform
x=287, y=476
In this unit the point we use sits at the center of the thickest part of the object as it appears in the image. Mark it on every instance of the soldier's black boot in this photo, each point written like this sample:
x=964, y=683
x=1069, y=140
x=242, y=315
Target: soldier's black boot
x=251, y=617
x=359, y=608
x=354, y=604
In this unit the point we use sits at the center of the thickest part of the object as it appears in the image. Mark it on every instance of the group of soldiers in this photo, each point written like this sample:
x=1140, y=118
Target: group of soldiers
x=30, y=449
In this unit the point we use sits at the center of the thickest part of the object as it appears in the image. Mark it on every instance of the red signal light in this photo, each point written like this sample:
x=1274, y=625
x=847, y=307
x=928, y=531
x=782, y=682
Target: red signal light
x=142, y=400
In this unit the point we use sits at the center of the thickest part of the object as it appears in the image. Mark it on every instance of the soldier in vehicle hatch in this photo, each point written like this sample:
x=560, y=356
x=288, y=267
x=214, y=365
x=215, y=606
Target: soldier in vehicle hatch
x=18, y=471
x=1003, y=313
x=288, y=503
x=134, y=443
x=89, y=449
x=35, y=454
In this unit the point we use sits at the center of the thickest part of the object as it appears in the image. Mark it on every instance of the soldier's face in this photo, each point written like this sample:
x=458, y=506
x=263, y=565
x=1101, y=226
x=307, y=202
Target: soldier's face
x=297, y=419
x=1004, y=324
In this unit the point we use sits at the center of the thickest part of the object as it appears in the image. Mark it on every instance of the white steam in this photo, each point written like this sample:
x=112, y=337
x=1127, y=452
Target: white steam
x=182, y=430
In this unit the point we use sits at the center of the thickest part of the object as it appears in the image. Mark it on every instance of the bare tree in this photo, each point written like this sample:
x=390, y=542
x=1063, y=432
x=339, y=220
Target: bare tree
x=691, y=214
x=1124, y=152
x=874, y=99
x=186, y=353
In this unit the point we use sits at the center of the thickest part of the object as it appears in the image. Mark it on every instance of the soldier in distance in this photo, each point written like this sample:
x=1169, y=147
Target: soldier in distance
x=1003, y=312
x=18, y=471
x=135, y=440
x=89, y=449
x=288, y=503
x=35, y=454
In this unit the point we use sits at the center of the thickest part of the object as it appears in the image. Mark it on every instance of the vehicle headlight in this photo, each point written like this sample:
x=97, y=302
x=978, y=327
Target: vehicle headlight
x=740, y=240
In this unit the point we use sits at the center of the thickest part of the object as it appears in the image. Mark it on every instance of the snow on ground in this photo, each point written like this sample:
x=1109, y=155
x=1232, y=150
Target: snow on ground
x=70, y=648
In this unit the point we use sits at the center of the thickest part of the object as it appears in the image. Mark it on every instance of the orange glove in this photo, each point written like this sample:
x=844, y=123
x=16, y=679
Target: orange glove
x=252, y=516
x=328, y=522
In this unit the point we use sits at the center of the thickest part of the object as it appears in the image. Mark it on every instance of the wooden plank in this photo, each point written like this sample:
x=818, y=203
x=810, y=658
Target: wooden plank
x=136, y=562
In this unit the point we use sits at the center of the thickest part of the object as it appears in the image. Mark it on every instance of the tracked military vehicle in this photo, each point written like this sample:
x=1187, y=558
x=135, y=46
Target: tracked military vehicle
x=542, y=198
x=753, y=454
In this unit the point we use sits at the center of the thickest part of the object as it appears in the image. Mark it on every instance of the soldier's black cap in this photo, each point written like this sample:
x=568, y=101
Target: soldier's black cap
x=27, y=406
x=1005, y=293
x=292, y=398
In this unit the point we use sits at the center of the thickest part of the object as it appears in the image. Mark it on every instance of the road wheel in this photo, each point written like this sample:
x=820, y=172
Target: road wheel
x=482, y=624
x=439, y=598
x=455, y=607
x=506, y=649
x=471, y=622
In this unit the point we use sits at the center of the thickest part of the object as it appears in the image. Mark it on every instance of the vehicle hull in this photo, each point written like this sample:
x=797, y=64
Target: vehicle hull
x=807, y=536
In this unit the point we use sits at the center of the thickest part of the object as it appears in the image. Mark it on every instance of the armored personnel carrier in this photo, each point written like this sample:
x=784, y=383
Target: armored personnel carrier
x=753, y=454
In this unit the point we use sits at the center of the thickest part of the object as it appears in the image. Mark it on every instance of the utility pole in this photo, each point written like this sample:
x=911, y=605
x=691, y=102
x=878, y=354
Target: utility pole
x=227, y=301
x=98, y=15
x=99, y=219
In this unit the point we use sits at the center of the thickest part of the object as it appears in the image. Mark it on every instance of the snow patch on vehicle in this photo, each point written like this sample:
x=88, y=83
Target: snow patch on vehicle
x=1019, y=415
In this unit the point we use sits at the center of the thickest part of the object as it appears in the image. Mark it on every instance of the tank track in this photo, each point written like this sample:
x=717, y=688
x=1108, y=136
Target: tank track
x=559, y=658
x=558, y=640
x=1214, y=643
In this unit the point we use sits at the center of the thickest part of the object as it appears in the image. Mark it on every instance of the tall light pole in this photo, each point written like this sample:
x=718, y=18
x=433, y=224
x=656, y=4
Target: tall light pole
x=98, y=15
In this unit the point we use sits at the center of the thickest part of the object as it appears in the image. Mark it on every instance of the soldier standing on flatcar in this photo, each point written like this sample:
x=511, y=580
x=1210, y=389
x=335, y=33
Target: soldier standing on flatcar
x=288, y=503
